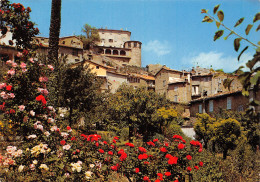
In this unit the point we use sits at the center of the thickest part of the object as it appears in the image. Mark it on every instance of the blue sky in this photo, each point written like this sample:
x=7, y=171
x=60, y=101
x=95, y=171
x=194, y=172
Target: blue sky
x=171, y=31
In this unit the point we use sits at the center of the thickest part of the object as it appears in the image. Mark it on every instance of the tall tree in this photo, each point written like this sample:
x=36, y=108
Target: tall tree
x=54, y=30
x=91, y=36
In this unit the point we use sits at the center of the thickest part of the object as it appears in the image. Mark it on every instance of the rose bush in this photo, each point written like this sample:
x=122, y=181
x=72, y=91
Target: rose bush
x=51, y=153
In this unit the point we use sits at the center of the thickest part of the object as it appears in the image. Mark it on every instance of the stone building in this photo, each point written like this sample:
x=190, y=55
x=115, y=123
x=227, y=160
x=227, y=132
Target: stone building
x=70, y=46
x=233, y=101
x=174, y=84
x=117, y=46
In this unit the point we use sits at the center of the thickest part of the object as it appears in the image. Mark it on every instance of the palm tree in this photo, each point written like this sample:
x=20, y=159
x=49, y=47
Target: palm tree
x=54, y=31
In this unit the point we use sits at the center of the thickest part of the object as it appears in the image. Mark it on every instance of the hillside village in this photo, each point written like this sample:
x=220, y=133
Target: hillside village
x=117, y=60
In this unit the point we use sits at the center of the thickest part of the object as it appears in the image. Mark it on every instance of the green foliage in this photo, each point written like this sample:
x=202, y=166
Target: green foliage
x=17, y=18
x=91, y=36
x=239, y=22
x=227, y=134
x=136, y=109
x=203, y=128
x=242, y=164
x=172, y=129
x=80, y=91
x=218, y=34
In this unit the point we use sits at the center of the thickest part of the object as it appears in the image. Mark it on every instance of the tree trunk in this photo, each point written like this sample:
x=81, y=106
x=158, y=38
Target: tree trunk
x=225, y=153
x=70, y=116
x=54, y=31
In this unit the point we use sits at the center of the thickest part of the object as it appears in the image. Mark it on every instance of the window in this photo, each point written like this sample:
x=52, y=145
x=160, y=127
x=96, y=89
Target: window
x=63, y=42
x=135, y=44
x=240, y=108
x=200, y=108
x=176, y=88
x=211, y=106
x=176, y=98
x=75, y=52
x=129, y=44
x=110, y=40
x=164, y=83
x=229, y=101
x=97, y=67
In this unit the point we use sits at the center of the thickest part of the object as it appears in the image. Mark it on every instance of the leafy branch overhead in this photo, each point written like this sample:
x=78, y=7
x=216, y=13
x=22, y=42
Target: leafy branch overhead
x=249, y=79
x=219, y=22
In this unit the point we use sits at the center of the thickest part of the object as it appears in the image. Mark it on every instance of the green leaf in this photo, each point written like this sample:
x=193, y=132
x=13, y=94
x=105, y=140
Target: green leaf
x=218, y=24
x=255, y=78
x=258, y=28
x=239, y=22
x=242, y=52
x=218, y=34
x=207, y=19
x=245, y=93
x=220, y=15
x=225, y=38
x=237, y=43
x=248, y=28
x=216, y=9
x=257, y=17
x=204, y=11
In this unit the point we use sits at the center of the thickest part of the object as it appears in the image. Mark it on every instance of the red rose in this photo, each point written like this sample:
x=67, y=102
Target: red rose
x=200, y=150
x=116, y=138
x=200, y=164
x=159, y=174
x=177, y=137
x=146, y=162
x=101, y=151
x=163, y=149
x=114, y=168
x=110, y=153
x=97, y=144
x=157, y=180
x=168, y=156
x=39, y=98
x=189, y=169
x=114, y=141
x=104, y=142
x=196, y=167
x=123, y=156
x=155, y=140
x=181, y=146
x=25, y=52
x=12, y=111
x=78, y=150
x=150, y=143
x=166, y=144
x=9, y=87
x=73, y=138
x=146, y=178
x=188, y=157
x=137, y=170
x=173, y=160
x=68, y=128
x=167, y=174
x=62, y=142
x=142, y=149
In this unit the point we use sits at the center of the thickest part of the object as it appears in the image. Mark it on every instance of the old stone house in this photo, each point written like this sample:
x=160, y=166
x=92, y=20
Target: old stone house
x=117, y=46
x=233, y=101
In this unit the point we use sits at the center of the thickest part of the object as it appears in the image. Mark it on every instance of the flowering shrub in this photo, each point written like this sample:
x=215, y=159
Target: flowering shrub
x=51, y=153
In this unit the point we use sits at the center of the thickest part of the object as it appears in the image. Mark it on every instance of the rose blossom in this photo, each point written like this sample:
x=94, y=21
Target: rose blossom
x=32, y=136
x=46, y=133
x=32, y=113
x=19, y=54
x=20, y=168
x=66, y=147
x=11, y=72
x=14, y=64
x=21, y=107
x=51, y=67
